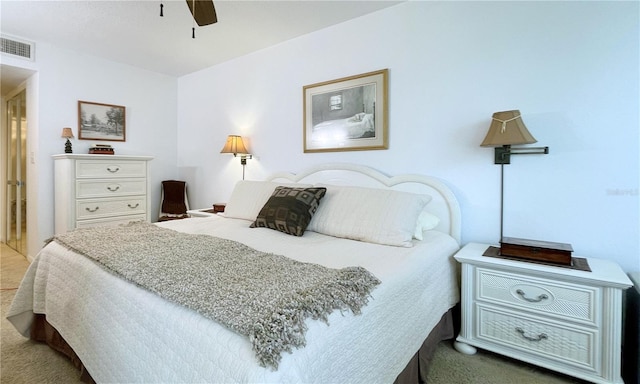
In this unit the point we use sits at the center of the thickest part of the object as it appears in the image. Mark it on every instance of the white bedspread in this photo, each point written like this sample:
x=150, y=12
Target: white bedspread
x=123, y=333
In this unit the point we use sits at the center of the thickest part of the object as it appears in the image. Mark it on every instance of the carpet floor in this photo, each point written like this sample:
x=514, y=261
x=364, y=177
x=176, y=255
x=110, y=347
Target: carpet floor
x=25, y=361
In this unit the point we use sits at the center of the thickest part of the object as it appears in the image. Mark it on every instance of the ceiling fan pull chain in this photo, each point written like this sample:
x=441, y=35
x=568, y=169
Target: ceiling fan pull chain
x=161, y=6
x=193, y=28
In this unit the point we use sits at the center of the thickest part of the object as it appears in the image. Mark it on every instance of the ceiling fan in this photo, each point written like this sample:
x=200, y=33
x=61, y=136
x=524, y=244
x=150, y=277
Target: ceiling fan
x=203, y=13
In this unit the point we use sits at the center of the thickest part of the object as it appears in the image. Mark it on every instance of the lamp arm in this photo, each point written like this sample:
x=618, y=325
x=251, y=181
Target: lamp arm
x=529, y=151
x=503, y=154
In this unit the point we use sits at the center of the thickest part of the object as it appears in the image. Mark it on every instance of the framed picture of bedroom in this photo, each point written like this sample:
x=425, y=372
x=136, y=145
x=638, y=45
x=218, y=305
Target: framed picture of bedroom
x=97, y=121
x=347, y=114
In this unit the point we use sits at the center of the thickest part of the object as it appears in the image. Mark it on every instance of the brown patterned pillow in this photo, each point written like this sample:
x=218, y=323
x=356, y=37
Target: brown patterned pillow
x=289, y=209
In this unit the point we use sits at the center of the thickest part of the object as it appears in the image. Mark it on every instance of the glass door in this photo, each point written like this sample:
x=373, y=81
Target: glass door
x=17, y=173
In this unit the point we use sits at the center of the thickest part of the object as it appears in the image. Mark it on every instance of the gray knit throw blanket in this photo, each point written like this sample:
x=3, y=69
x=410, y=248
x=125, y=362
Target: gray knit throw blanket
x=263, y=296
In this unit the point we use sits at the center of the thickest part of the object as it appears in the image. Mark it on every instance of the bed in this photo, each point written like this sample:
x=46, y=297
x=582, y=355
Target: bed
x=402, y=231
x=360, y=125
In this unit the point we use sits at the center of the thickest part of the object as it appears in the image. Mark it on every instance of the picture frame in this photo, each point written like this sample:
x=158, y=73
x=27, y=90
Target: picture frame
x=346, y=114
x=97, y=121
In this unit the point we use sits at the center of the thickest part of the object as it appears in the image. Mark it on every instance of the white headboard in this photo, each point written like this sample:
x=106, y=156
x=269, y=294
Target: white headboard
x=443, y=204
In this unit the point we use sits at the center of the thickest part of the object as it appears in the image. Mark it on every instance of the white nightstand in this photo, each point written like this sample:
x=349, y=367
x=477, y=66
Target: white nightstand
x=206, y=212
x=562, y=319
x=201, y=212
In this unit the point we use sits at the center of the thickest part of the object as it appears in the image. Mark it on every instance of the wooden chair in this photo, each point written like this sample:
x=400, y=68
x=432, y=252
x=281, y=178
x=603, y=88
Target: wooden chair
x=173, y=200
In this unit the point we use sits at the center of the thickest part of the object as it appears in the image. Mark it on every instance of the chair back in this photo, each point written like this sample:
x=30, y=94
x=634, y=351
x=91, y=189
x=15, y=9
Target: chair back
x=174, y=202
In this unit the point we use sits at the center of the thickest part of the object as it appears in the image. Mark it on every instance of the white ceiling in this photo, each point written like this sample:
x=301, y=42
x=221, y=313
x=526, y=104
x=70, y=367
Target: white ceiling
x=132, y=32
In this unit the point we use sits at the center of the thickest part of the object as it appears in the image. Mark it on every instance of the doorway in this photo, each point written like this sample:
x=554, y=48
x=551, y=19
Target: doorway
x=16, y=192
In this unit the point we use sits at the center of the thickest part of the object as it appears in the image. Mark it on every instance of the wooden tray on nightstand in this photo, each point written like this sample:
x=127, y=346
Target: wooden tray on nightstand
x=578, y=263
x=536, y=250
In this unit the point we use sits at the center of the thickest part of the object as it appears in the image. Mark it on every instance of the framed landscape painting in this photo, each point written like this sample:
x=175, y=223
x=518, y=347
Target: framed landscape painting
x=347, y=114
x=98, y=121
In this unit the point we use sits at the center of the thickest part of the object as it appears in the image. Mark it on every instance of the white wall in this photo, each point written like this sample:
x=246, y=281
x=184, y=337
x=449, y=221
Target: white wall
x=63, y=77
x=570, y=67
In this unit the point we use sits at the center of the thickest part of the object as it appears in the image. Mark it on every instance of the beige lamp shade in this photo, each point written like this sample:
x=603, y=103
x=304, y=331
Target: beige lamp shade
x=235, y=145
x=67, y=133
x=507, y=128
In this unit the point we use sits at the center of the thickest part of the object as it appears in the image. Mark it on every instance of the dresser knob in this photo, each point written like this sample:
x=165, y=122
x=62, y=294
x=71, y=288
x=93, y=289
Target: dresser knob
x=113, y=189
x=92, y=210
x=113, y=169
x=534, y=300
x=133, y=206
x=540, y=337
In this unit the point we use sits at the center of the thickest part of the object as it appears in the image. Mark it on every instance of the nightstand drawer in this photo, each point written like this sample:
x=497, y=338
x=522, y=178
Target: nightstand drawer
x=110, y=168
x=106, y=188
x=538, y=295
x=88, y=209
x=562, y=342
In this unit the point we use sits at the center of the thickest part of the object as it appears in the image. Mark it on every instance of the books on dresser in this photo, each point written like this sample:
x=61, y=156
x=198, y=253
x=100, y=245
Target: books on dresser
x=101, y=149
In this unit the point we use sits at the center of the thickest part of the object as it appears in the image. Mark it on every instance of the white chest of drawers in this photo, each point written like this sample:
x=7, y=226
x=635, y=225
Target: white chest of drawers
x=561, y=319
x=93, y=190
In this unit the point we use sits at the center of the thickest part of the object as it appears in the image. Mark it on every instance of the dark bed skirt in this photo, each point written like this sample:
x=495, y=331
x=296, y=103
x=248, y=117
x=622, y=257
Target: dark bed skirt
x=414, y=373
x=42, y=331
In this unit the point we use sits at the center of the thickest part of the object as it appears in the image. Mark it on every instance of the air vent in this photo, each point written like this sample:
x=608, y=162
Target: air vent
x=14, y=47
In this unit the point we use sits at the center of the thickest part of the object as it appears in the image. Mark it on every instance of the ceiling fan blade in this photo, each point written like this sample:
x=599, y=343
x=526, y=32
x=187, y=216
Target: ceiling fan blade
x=204, y=13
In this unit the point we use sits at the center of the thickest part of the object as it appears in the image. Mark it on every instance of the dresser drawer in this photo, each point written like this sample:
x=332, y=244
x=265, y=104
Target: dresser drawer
x=113, y=221
x=104, y=188
x=107, y=169
x=558, y=341
x=538, y=295
x=93, y=208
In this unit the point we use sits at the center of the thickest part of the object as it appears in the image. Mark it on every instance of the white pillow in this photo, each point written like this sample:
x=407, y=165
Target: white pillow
x=249, y=196
x=426, y=222
x=368, y=214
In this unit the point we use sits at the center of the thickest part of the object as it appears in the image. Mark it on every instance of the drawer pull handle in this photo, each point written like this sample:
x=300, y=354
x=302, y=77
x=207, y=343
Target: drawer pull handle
x=113, y=189
x=113, y=170
x=541, y=336
x=536, y=300
x=133, y=206
x=92, y=210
